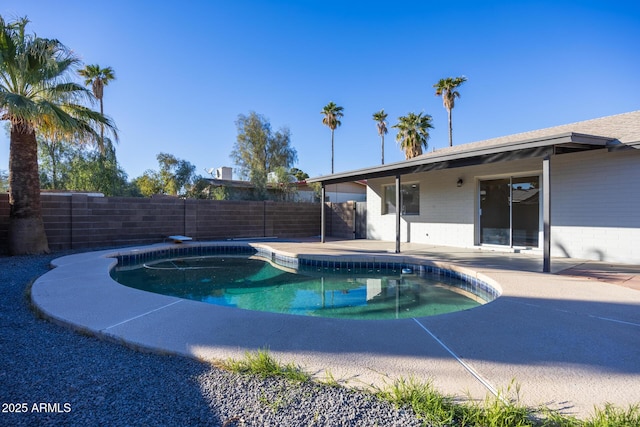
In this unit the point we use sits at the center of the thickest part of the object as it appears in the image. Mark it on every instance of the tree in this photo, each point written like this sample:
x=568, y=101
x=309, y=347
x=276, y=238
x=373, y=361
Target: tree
x=49, y=153
x=94, y=170
x=53, y=154
x=413, y=133
x=380, y=117
x=4, y=181
x=447, y=89
x=98, y=78
x=284, y=183
x=258, y=150
x=35, y=92
x=176, y=174
x=201, y=188
x=149, y=183
x=176, y=177
x=331, y=119
x=299, y=174
x=66, y=165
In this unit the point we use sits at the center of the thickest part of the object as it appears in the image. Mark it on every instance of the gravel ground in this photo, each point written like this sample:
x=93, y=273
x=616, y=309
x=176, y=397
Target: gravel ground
x=55, y=376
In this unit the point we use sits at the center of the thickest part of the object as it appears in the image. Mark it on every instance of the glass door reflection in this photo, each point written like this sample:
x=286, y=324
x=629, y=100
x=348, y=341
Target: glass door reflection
x=510, y=211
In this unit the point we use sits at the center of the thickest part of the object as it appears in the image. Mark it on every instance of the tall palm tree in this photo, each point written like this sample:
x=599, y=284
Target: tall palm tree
x=98, y=78
x=447, y=89
x=35, y=93
x=381, y=118
x=332, y=114
x=413, y=133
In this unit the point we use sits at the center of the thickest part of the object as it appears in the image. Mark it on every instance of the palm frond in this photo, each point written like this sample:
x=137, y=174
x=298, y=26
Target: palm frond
x=332, y=114
x=380, y=117
x=93, y=119
x=18, y=108
x=75, y=120
x=97, y=78
x=413, y=133
x=69, y=92
x=35, y=86
x=449, y=84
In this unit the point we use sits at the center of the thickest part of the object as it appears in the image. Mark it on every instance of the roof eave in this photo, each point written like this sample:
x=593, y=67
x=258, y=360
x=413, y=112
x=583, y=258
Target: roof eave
x=491, y=153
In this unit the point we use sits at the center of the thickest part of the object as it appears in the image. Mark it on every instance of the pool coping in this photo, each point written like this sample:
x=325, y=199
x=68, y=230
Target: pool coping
x=481, y=289
x=444, y=349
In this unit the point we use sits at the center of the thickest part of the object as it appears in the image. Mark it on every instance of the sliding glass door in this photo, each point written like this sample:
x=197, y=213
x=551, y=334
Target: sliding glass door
x=510, y=211
x=495, y=217
x=525, y=211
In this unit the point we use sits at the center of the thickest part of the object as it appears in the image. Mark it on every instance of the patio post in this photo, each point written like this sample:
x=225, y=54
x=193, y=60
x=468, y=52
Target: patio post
x=546, y=214
x=322, y=213
x=398, y=210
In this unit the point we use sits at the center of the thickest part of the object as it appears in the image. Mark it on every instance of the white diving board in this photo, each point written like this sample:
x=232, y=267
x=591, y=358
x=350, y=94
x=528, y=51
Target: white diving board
x=180, y=239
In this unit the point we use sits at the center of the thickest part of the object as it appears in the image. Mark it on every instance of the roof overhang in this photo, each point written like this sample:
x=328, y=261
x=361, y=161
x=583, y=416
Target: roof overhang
x=475, y=154
x=624, y=146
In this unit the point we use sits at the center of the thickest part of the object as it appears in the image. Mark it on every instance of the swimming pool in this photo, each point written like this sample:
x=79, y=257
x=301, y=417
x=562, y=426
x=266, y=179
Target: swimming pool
x=252, y=280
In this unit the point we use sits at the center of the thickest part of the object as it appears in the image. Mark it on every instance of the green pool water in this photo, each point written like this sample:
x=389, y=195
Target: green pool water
x=254, y=284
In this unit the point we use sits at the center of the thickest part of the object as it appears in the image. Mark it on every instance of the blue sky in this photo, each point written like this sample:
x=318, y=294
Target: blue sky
x=185, y=70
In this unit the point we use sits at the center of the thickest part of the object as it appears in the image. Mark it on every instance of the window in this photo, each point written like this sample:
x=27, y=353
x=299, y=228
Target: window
x=409, y=199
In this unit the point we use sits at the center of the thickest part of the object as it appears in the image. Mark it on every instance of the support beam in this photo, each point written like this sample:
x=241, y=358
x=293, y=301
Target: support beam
x=398, y=212
x=322, y=213
x=546, y=214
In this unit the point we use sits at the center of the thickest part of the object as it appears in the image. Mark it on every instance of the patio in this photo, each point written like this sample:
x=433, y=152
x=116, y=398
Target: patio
x=569, y=339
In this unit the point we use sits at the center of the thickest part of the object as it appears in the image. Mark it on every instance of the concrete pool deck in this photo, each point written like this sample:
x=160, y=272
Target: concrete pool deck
x=570, y=340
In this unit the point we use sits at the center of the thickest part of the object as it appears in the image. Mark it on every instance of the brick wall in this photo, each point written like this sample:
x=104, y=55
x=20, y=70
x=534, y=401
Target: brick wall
x=81, y=221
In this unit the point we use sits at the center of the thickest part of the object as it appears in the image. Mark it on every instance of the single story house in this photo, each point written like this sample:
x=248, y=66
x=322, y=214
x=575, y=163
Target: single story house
x=355, y=191
x=570, y=191
x=302, y=192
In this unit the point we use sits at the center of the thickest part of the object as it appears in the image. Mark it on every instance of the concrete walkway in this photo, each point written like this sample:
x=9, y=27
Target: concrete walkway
x=570, y=340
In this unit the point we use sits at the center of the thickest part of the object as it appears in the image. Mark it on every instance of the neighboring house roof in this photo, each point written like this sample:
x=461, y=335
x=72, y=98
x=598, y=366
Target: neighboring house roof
x=230, y=183
x=359, y=186
x=619, y=131
x=356, y=186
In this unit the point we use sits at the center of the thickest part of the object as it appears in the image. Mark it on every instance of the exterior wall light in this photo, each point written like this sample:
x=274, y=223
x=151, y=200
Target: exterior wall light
x=460, y=182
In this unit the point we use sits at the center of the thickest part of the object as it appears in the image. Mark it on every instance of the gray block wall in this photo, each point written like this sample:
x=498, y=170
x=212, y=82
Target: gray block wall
x=80, y=221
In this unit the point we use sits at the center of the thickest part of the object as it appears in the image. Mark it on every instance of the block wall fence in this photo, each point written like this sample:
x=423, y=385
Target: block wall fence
x=80, y=221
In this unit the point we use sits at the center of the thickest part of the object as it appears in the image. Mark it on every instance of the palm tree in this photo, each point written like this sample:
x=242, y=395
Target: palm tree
x=332, y=114
x=447, y=89
x=380, y=117
x=413, y=133
x=35, y=94
x=98, y=78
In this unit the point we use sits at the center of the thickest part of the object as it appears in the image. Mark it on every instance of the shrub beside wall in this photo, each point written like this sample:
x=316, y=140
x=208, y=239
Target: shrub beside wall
x=80, y=221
